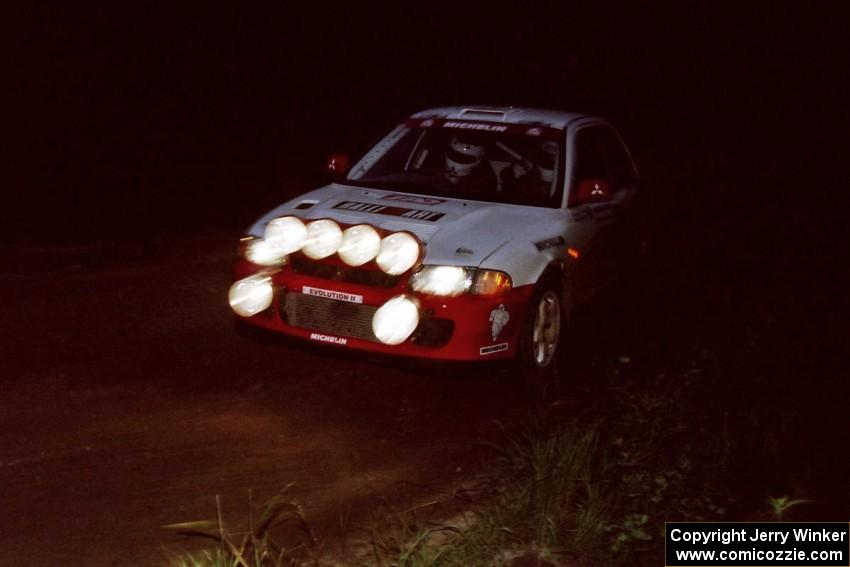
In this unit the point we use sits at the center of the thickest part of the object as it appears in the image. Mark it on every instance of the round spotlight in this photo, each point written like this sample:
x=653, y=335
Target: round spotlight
x=285, y=235
x=323, y=239
x=399, y=252
x=251, y=295
x=360, y=244
x=259, y=251
x=395, y=320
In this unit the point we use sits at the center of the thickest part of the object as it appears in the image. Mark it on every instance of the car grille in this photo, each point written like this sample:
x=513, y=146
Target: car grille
x=333, y=272
x=330, y=316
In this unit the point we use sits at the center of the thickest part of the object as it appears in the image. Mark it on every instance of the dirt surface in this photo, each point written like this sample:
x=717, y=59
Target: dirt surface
x=129, y=402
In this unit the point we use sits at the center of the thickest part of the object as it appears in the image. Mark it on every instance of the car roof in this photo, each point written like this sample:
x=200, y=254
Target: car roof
x=506, y=114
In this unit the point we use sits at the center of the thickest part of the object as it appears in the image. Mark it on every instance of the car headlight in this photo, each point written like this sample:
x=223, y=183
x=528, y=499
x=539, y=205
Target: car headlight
x=323, y=239
x=441, y=280
x=455, y=280
x=360, y=244
x=490, y=282
x=399, y=252
x=251, y=295
x=395, y=320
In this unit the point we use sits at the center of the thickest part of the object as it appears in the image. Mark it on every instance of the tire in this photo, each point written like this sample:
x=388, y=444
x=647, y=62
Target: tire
x=540, y=349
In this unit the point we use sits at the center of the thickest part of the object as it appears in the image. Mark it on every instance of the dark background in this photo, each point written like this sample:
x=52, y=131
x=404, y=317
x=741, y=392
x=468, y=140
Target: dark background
x=131, y=126
x=142, y=138
x=138, y=121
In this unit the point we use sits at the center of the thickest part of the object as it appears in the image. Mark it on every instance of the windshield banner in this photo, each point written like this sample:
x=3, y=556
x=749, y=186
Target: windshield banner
x=532, y=130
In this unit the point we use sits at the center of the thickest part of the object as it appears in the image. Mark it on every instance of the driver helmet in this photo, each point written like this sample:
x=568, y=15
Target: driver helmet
x=461, y=158
x=546, y=158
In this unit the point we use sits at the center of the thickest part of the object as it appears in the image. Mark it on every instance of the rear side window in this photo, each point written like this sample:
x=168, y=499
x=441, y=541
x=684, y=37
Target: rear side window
x=590, y=157
x=619, y=163
x=601, y=155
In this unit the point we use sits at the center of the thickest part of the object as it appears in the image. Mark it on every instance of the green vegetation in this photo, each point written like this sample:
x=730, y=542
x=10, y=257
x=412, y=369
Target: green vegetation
x=252, y=547
x=589, y=487
x=597, y=486
x=779, y=506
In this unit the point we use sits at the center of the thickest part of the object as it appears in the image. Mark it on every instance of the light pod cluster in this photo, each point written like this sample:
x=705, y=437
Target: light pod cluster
x=394, y=254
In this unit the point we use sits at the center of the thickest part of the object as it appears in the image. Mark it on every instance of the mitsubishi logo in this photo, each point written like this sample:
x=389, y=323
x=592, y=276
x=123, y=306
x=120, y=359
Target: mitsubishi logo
x=596, y=190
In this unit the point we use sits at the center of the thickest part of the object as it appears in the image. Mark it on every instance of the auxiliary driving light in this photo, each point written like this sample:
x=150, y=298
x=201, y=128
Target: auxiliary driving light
x=399, y=252
x=323, y=239
x=360, y=244
x=395, y=320
x=285, y=235
x=261, y=252
x=251, y=295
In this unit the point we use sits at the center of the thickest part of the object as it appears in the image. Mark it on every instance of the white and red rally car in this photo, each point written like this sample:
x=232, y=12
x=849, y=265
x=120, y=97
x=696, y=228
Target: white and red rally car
x=463, y=234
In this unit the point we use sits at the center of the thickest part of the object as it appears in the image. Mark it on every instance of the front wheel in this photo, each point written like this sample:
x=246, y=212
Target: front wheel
x=539, y=346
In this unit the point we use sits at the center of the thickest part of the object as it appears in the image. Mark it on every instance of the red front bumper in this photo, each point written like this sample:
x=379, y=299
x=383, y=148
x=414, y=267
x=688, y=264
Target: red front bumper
x=471, y=337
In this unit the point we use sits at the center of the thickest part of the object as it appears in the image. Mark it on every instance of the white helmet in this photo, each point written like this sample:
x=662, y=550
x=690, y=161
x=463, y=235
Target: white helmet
x=546, y=159
x=461, y=158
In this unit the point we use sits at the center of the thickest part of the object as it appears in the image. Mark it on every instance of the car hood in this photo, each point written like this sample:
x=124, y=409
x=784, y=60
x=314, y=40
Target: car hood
x=455, y=232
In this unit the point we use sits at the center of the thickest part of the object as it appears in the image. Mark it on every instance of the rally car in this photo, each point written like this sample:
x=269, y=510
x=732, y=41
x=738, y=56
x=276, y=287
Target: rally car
x=465, y=233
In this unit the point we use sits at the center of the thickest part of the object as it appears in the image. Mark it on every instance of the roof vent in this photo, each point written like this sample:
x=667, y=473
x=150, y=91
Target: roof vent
x=305, y=205
x=491, y=114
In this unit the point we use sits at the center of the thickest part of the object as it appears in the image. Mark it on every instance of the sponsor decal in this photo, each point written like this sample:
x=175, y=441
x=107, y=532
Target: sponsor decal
x=423, y=215
x=499, y=317
x=485, y=350
x=414, y=199
x=541, y=131
x=330, y=294
x=463, y=250
x=360, y=207
x=542, y=245
x=330, y=339
x=475, y=126
x=374, y=209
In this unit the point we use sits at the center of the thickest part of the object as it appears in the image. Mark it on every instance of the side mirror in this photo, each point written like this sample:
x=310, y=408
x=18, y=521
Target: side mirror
x=591, y=191
x=338, y=165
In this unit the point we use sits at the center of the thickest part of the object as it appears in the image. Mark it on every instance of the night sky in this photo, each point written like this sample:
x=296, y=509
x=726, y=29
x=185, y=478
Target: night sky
x=127, y=122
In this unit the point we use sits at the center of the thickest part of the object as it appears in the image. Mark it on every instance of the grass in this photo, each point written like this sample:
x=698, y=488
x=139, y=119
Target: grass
x=779, y=506
x=594, y=488
x=597, y=487
x=254, y=546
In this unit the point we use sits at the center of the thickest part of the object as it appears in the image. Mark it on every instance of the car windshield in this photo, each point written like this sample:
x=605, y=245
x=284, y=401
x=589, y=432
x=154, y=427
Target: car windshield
x=516, y=164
